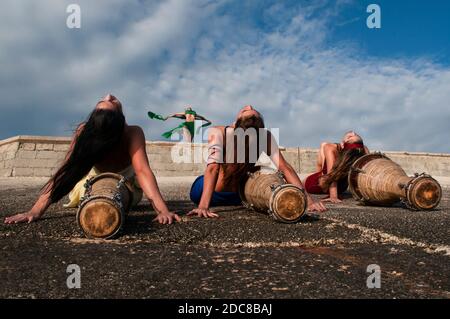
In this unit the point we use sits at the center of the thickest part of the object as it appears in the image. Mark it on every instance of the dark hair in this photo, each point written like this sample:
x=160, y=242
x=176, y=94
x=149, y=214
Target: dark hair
x=238, y=171
x=341, y=167
x=102, y=131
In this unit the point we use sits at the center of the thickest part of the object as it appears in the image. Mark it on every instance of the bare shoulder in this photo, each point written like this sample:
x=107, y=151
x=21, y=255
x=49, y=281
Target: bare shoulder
x=218, y=127
x=135, y=135
x=330, y=147
x=215, y=134
x=214, y=130
x=134, y=131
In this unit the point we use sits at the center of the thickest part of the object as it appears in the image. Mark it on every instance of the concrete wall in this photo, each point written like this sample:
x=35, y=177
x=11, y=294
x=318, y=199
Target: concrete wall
x=39, y=156
x=31, y=155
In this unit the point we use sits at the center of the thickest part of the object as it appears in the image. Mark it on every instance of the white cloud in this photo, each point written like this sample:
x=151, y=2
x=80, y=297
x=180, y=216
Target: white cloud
x=164, y=55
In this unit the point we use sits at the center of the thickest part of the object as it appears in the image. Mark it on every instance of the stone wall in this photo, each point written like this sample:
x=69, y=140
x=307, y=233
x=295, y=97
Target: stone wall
x=160, y=158
x=25, y=156
x=39, y=156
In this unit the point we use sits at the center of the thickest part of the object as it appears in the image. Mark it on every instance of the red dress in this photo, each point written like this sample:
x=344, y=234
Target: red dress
x=312, y=182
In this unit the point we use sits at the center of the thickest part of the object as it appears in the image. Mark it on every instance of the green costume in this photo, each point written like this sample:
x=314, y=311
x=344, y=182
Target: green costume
x=189, y=125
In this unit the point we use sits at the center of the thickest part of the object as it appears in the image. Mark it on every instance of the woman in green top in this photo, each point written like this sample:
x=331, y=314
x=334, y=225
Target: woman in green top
x=188, y=126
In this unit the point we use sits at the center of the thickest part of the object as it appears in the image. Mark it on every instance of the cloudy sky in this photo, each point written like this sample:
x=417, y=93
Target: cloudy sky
x=313, y=68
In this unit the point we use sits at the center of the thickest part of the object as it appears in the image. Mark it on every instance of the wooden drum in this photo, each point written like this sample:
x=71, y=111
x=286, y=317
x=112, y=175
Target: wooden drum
x=268, y=192
x=103, y=208
x=376, y=179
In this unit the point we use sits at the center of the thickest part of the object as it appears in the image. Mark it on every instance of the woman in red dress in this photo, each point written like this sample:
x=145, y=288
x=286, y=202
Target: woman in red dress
x=333, y=164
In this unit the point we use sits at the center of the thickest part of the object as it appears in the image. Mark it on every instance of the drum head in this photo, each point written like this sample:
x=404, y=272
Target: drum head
x=100, y=218
x=424, y=193
x=355, y=170
x=288, y=204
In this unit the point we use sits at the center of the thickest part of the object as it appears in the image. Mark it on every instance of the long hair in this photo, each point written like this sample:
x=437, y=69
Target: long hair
x=102, y=131
x=341, y=167
x=237, y=171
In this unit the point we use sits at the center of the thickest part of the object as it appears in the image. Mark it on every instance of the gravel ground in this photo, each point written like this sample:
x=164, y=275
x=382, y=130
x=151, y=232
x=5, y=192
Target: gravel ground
x=243, y=254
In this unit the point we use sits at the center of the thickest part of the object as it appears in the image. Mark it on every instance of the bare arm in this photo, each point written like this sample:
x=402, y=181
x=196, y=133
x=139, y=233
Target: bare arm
x=292, y=178
x=209, y=184
x=43, y=202
x=321, y=156
x=330, y=153
x=147, y=179
x=289, y=173
x=177, y=115
x=215, y=147
x=36, y=212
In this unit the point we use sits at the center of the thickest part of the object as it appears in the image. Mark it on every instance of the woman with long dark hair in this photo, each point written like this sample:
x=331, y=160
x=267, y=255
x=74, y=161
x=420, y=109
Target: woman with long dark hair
x=231, y=158
x=333, y=164
x=104, y=143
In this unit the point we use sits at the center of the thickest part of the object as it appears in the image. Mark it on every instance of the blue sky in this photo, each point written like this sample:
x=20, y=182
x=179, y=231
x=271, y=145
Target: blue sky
x=313, y=68
x=410, y=29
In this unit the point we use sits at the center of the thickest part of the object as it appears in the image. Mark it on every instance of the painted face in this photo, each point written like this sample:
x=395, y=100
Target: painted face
x=109, y=102
x=247, y=111
x=351, y=137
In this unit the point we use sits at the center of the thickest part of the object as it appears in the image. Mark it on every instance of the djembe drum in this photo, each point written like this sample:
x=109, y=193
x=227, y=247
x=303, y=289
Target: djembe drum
x=268, y=192
x=103, y=208
x=376, y=179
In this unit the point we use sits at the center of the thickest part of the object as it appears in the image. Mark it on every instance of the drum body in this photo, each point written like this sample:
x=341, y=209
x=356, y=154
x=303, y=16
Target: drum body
x=103, y=208
x=376, y=179
x=268, y=192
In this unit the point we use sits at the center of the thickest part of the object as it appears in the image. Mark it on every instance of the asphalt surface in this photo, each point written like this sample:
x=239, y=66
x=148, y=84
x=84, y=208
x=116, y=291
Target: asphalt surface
x=243, y=254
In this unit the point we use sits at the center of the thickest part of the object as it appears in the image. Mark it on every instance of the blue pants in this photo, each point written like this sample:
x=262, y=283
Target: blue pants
x=218, y=198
